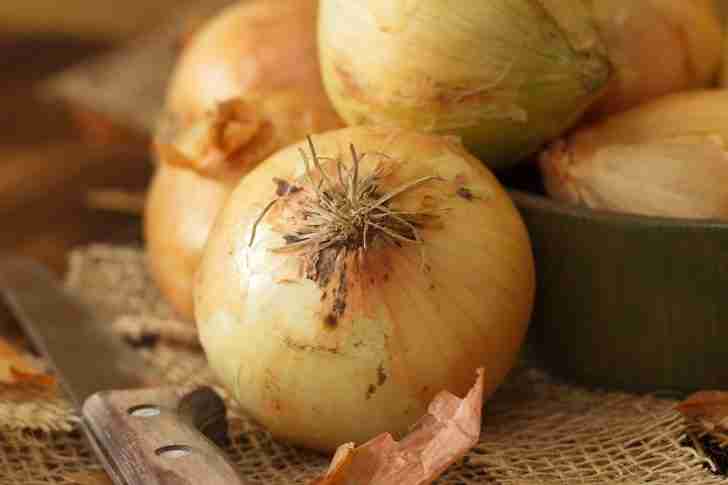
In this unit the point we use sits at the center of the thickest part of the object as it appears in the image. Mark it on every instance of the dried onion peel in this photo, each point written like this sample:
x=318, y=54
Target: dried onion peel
x=349, y=280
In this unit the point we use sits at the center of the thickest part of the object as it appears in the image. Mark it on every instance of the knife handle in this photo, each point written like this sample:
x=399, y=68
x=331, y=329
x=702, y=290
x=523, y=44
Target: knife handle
x=160, y=436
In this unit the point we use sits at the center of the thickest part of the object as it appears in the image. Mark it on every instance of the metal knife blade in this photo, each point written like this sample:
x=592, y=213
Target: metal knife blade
x=86, y=355
x=142, y=436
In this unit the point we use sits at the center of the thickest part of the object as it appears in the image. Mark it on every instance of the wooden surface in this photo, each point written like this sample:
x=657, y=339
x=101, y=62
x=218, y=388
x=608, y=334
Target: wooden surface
x=47, y=162
x=160, y=437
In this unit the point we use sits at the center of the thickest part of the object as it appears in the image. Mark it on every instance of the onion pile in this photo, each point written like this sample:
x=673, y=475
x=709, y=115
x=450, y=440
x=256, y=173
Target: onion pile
x=351, y=278
x=355, y=274
x=667, y=155
x=247, y=84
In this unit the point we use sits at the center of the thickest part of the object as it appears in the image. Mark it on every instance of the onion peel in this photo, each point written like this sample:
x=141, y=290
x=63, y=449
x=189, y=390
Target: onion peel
x=447, y=432
x=16, y=369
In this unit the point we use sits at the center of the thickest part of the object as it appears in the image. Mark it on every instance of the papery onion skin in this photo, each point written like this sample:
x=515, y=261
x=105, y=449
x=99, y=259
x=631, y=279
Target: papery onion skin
x=657, y=47
x=263, y=51
x=181, y=207
x=319, y=366
x=504, y=75
x=251, y=46
x=664, y=158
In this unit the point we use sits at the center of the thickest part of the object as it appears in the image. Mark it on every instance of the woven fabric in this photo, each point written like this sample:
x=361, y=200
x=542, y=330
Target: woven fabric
x=536, y=430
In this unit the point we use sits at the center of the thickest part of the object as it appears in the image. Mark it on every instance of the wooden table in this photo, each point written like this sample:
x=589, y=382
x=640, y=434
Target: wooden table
x=47, y=163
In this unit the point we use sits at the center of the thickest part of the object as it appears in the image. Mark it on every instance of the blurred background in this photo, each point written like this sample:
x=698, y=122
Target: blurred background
x=90, y=20
x=52, y=153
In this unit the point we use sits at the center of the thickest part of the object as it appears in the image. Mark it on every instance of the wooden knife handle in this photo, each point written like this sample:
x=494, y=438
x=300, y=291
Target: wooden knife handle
x=160, y=436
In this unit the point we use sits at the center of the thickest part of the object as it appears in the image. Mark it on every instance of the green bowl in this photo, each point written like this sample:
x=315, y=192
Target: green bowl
x=634, y=302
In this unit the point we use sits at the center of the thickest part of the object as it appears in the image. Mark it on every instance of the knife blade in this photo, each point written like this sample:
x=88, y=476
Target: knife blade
x=142, y=435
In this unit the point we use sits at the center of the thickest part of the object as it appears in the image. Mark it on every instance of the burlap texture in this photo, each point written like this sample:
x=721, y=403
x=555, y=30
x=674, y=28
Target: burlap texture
x=535, y=431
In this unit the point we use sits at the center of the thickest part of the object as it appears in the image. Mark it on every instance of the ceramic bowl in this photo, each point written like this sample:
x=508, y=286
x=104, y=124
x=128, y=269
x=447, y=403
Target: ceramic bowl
x=628, y=301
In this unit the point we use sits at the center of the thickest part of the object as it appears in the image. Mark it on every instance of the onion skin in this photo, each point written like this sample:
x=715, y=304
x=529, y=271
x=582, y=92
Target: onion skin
x=320, y=369
x=686, y=33
x=263, y=51
x=251, y=46
x=664, y=158
x=504, y=75
x=180, y=210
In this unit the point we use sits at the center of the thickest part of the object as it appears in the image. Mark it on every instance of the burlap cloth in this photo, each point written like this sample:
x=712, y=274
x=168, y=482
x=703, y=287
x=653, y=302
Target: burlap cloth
x=535, y=431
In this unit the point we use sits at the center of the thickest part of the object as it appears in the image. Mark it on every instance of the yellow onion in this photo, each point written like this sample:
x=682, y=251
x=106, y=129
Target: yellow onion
x=247, y=84
x=340, y=292
x=664, y=158
x=504, y=75
x=252, y=46
x=657, y=47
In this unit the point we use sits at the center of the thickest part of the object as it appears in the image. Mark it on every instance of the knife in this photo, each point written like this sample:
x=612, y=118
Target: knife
x=142, y=436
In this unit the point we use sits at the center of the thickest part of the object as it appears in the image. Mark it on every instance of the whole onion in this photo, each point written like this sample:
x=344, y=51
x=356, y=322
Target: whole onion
x=247, y=84
x=504, y=75
x=657, y=47
x=668, y=157
x=349, y=280
x=254, y=46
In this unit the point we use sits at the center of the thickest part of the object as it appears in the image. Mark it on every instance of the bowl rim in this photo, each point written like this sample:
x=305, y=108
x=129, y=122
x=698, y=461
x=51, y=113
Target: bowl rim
x=531, y=200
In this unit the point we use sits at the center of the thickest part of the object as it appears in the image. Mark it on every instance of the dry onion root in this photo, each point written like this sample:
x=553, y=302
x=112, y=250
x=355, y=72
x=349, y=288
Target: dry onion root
x=657, y=47
x=504, y=75
x=247, y=84
x=664, y=158
x=350, y=279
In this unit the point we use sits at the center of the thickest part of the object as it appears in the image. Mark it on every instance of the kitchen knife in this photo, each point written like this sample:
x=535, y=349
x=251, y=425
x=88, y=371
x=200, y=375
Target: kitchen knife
x=142, y=436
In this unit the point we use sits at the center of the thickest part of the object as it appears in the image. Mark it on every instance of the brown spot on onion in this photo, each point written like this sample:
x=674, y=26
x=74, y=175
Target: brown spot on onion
x=350, y=87
x=282, y=187
x=331, y=321
x=291, y=344
x=465, y=193
x=381, y=375
x=321, y=265
x=339, y=306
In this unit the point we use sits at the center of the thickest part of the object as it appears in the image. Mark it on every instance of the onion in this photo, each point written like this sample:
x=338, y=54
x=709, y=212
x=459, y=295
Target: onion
x=505, y=75
x=657, y=47
x=336, y=301
x=247, y=84
x=668, y=157
x=251, y=46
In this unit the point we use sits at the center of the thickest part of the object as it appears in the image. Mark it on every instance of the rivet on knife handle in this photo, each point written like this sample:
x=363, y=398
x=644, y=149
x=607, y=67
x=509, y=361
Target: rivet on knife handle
x=155, y=436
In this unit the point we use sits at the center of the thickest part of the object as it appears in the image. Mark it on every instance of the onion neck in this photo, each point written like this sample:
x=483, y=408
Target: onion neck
x=348, y=212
